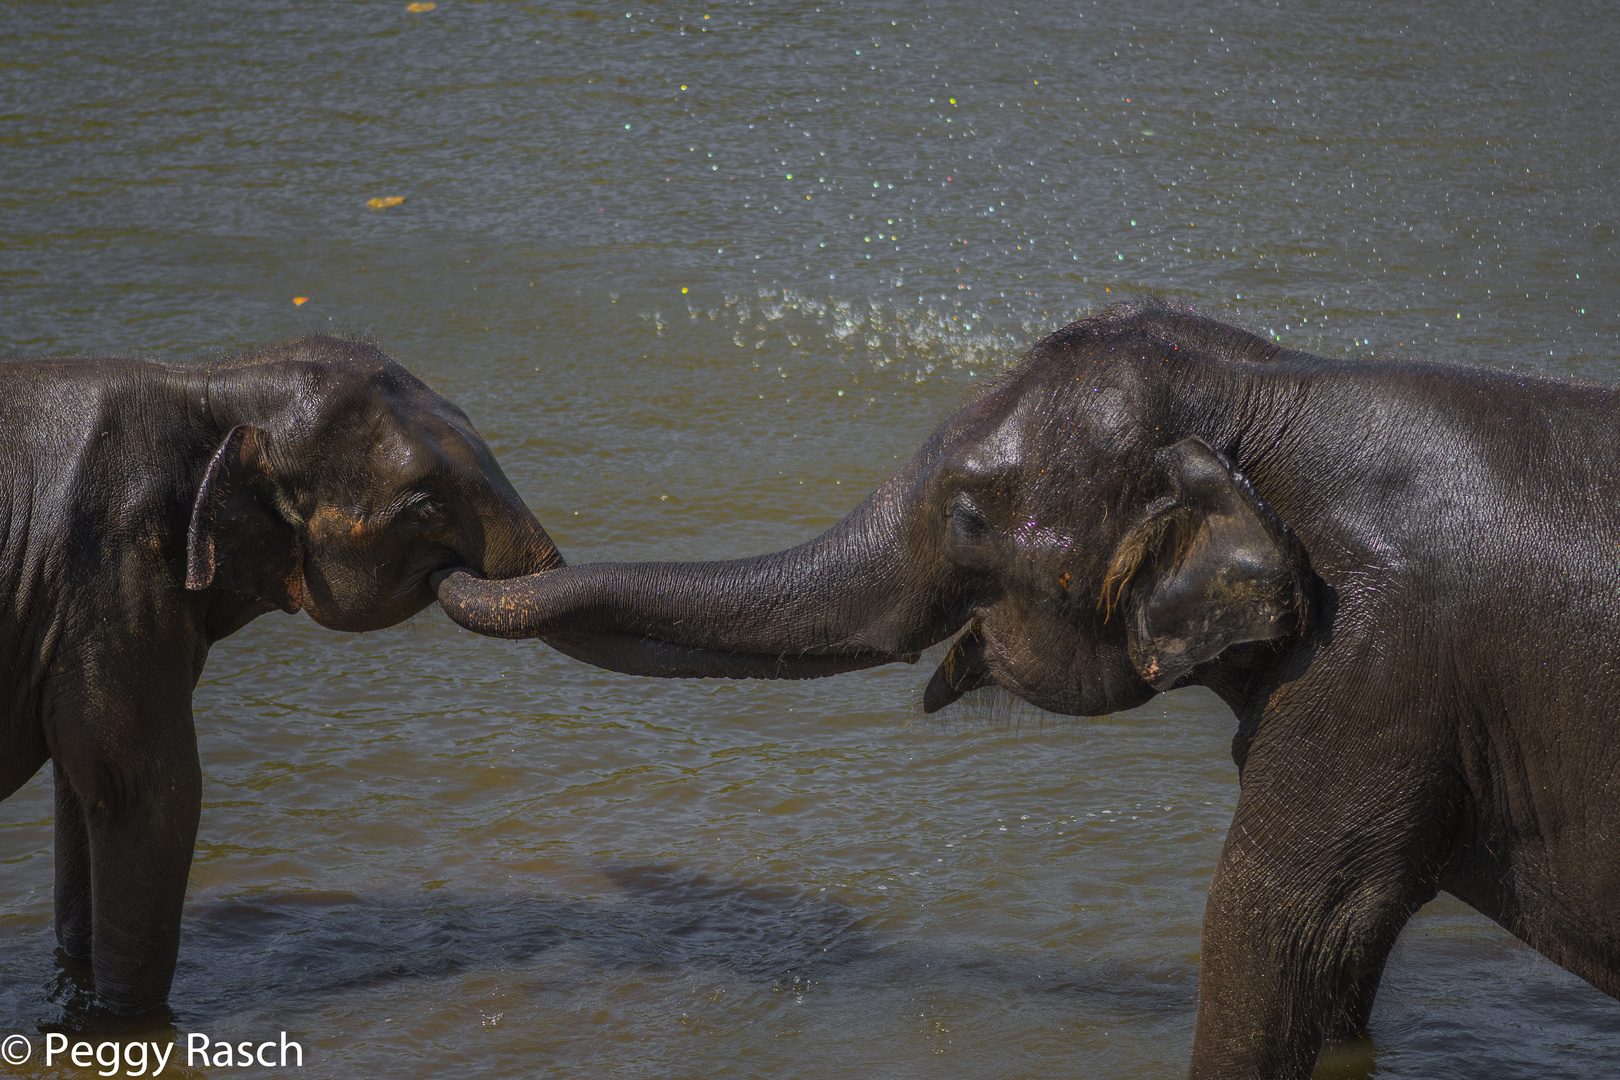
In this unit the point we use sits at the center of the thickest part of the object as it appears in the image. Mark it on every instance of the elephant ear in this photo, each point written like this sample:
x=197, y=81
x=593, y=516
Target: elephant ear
x=239, y=538
x=1209, y=567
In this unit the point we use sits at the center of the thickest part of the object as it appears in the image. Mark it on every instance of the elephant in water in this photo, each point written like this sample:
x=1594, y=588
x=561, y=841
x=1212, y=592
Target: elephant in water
x=148, y=510
x=1402, y=577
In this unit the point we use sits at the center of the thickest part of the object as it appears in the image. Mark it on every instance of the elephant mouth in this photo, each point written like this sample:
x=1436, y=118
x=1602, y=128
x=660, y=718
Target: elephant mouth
x=427, y=570
x=435, y=578
x=963, y=669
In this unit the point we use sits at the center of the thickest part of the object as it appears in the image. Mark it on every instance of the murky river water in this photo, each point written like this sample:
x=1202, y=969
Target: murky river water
x=702, y=275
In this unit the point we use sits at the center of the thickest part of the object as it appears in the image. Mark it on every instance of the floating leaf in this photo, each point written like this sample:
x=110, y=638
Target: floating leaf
x=300, y=301
x=383, y=202
x=420, y=9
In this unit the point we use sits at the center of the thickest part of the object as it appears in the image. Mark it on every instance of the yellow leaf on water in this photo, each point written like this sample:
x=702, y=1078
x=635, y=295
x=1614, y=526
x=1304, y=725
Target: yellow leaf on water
x=420, y=9
x=383, y=202
x=300, y=301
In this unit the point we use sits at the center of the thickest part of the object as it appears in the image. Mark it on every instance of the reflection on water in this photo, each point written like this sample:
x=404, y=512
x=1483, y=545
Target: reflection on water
x=703, y=277
x=261, y=951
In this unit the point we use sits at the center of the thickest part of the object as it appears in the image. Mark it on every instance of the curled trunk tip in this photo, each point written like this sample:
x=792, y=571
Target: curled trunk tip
x=501, y=609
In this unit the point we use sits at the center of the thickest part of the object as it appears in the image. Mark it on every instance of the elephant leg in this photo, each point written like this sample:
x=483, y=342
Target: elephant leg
x=73, y=903
x=140, y=859
x=131, y=784
x=1354, y=1011
x=1311, y=891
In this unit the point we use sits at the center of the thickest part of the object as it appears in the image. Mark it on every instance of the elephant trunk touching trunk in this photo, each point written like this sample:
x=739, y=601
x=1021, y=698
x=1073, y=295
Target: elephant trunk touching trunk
x=839, y=602
x=530, y=551
x=505, y=539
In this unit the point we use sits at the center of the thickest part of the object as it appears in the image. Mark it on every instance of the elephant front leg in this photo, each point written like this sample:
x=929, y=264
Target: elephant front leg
x=73, y=902
x=1354, y=1012
x=129, y=787
x=1301, y=916
x=140, y=856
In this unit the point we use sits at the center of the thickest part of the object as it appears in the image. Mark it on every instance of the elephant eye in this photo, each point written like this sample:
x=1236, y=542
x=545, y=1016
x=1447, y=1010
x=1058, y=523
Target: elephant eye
x=970, y=537
x=967, y=523
x=423, y=505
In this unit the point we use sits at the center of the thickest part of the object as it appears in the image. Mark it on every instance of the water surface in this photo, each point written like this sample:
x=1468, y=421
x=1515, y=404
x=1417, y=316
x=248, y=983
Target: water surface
x=703, y=275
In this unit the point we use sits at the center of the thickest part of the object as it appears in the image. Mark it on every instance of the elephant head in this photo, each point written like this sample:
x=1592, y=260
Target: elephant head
x=342, y=483
x=1081, y=518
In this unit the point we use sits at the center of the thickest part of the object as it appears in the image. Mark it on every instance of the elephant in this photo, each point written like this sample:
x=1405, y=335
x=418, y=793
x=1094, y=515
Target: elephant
x=151, y=509
x=1401, y=576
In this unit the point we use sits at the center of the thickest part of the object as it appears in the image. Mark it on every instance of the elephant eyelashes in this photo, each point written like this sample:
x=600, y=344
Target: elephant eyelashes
x=424, y=505
x=970, y=538
x=966, y=521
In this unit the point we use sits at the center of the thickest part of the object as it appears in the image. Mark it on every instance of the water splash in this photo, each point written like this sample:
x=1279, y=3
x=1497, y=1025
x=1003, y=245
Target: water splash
x=919, y=338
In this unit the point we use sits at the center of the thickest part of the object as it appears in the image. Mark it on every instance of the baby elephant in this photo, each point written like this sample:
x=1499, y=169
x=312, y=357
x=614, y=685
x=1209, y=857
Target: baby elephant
x=148, y=510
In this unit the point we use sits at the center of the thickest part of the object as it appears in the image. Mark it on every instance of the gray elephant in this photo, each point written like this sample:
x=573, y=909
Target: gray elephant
x=148, y=510
x=1401, y=577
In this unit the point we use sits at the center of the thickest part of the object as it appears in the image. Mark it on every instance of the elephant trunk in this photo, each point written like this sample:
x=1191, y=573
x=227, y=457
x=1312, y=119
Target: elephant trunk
x=501, y=537
x=847, y=599
x=525, y=548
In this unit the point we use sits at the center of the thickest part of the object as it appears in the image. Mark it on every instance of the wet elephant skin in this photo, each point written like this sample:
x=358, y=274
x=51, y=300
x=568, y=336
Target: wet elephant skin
x=1400, y=576
x=148, y=510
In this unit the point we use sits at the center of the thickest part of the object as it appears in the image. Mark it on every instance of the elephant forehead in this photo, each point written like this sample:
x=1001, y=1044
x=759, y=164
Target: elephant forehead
x=417, y=447
x=1000, y=446
x=1108, y=405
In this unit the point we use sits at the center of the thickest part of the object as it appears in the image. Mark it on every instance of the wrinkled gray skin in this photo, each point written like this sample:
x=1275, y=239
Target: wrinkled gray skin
x=1401, y=577
x=148, y=510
